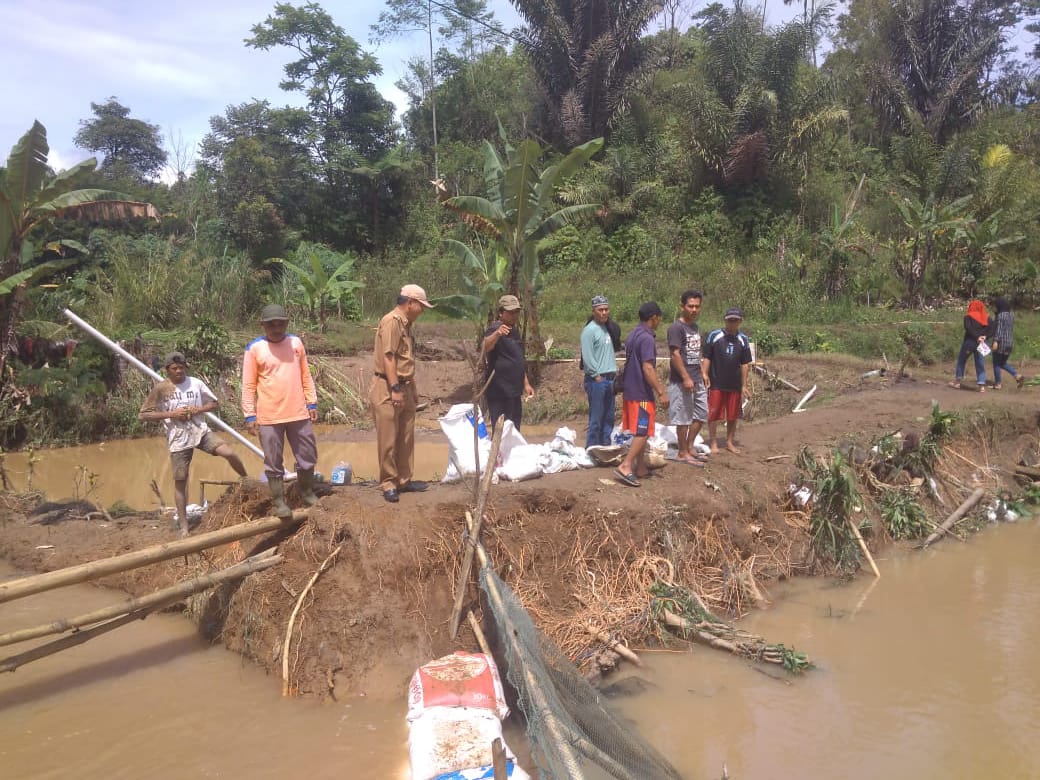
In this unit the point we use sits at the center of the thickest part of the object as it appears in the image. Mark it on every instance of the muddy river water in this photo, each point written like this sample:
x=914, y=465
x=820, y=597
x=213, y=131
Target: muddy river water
x=931, y=671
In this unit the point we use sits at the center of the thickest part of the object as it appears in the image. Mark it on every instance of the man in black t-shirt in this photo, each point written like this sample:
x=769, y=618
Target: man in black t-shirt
x=505, y=356
x=724, y=367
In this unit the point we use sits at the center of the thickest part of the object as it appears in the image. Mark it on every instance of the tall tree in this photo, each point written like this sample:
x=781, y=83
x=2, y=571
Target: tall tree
x=926, y=65
x=131, y=148
x=585, y=54
x=452, y=21
x=351, y=119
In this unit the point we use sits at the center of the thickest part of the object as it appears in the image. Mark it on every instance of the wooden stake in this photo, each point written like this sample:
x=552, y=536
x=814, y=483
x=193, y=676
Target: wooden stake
x=286, y=688
x=952, y=520
x=478, y=632
x=863, y=547
x=158, y=599
x=613, y=644
x=26, y=586
x=498, y=759
x=775, y=377
x=474, y=536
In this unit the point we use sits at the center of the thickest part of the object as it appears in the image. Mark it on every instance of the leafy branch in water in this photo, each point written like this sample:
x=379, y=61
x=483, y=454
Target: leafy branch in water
x=684, y=610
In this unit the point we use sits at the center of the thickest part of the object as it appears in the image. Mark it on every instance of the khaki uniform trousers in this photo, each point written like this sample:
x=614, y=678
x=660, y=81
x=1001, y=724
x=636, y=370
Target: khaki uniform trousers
x=395, y=433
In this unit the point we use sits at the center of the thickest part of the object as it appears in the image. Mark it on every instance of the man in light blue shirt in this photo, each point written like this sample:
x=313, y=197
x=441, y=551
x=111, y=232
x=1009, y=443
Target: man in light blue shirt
x=597, y=357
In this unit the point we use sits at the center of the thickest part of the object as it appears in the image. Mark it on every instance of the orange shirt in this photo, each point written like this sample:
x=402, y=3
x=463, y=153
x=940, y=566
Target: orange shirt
x=276, y=382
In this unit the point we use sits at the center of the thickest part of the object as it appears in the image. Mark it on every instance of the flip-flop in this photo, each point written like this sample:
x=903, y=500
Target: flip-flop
x=626, y=479
x=1020, y=380
x=954, y=385
x=698, y=463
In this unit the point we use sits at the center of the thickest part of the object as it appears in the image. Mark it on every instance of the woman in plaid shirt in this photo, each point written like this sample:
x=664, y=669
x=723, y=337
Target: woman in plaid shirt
x=1003, y=340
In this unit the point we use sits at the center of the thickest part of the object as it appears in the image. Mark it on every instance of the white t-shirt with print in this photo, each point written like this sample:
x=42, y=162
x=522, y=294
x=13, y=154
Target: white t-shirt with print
x=186, y=434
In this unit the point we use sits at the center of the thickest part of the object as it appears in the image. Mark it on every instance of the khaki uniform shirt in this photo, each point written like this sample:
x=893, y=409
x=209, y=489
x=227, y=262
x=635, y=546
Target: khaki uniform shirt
x=394, y=334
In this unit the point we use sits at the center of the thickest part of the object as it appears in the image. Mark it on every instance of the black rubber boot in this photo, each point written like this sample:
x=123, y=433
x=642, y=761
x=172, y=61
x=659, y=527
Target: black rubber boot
x=305, y=484
x=280, y=508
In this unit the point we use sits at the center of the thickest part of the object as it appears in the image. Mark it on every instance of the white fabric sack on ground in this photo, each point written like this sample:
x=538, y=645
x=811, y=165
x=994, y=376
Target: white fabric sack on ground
x=523, y=462
x=457, y=424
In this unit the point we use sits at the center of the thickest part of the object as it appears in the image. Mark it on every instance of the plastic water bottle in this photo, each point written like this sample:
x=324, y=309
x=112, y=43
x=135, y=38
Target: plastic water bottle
x=342, y=473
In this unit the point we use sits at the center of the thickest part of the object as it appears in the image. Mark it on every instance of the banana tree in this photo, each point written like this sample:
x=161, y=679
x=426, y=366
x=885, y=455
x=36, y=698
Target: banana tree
x=318, y=286
x=929, y=227
x=30, y=199
x=519, y=211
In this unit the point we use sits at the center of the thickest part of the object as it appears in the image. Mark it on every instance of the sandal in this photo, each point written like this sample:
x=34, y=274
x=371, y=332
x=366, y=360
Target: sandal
x=954, y=384
x=997, y=387
x=982, y=388
x=626, y=479
x=1020, y=380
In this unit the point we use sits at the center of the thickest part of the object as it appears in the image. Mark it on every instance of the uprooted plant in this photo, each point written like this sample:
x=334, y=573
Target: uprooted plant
x=834, y=500
x=903, y=515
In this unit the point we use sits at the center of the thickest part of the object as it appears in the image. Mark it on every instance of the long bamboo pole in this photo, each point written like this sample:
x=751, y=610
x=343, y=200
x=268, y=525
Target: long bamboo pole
x=467, y=558
x=162, y=598
x=960, y=512
x=147, y=371
x=863, y=546
x=26, y=586
x=11, y=663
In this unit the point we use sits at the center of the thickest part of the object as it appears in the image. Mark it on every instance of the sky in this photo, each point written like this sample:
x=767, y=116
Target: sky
x=173, y=64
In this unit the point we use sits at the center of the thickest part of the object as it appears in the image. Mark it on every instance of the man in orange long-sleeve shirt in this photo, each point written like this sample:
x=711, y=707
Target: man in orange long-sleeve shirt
x=279, y=399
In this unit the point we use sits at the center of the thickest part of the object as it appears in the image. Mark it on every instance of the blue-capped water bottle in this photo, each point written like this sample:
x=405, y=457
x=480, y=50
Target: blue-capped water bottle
x=342, y=474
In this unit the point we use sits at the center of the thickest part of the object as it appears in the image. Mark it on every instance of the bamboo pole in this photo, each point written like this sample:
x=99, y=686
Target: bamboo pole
x=498, y=760
x=863, y=547
x=147, y=371
x=612, y=643
x=467, y=560
x=160, y=598
x=478, y=632
x=286, y=688
x=775, y=377
x=26, y=586
x=11, y=663
x=959, y=513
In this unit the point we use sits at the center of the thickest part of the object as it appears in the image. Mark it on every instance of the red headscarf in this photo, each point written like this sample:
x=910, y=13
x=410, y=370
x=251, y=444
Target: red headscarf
x=977, y=311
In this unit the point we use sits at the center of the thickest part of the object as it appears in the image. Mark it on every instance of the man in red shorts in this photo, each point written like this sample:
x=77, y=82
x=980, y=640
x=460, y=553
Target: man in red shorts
x=640, y=383
x=724, y=366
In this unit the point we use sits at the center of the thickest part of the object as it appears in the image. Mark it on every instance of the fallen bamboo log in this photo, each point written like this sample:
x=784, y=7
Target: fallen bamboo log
x=13, y=662
x=775, y=377
x=158, y=599
x=1028, y=471
x=37, y=583
x=613, y=644
x=952, y=520
x=467, y=559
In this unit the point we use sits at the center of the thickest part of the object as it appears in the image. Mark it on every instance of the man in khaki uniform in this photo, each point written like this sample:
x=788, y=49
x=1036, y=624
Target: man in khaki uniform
x=394, y=396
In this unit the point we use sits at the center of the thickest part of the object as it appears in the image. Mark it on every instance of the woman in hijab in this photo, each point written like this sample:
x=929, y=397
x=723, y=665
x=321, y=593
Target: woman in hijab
x=1003, y=340
x=976, y=329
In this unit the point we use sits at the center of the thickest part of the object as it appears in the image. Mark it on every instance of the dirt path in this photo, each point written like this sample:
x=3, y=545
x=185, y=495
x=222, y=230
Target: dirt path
x=383, y=608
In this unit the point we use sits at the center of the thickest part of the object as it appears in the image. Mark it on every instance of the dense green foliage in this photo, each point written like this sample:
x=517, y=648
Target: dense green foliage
x=823, y=174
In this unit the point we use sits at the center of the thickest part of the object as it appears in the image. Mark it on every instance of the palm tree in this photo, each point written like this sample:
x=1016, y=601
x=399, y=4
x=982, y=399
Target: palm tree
x=30, y=200
x=585, y=54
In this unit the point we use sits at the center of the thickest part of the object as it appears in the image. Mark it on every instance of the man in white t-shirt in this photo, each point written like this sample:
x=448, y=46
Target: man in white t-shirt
x=180, y=403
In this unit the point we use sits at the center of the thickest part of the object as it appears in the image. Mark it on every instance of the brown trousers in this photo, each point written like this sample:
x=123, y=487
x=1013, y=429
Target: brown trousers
x=395, y=433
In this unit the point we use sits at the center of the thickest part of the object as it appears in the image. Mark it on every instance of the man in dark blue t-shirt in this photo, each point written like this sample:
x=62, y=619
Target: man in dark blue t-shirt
x=640, y=384
x=724, y=366
x=505, y=356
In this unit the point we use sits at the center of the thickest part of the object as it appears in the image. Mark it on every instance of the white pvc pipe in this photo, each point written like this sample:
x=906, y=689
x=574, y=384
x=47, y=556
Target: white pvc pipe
x=806, y=397
x=147, y=371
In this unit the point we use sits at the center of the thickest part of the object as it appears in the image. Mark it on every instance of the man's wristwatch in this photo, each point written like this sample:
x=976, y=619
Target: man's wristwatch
x=395, y=388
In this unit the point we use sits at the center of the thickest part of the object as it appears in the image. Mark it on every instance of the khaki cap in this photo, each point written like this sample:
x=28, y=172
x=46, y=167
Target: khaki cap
x=508, y=303
x=416, y=293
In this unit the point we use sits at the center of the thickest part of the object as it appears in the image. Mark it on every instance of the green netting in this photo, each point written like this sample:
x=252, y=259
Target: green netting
x=574, y=733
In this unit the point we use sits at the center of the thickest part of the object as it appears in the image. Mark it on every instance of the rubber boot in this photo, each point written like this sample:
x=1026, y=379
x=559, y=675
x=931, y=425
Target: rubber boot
x=305, y=484
x=280, y=508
